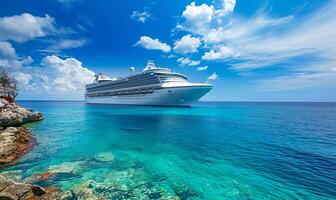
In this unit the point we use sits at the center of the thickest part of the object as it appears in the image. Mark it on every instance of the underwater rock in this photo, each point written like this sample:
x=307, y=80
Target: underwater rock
x=104, y=157
x=17, y=190
x=154, y=195
x=55, y=173
x=85, y=191
x=151, y=191
x=67, y=167
x=111, y=192
x=126, y=179
x=47, y=179
x=40, y=177
x=52, y=189
x=157, y=178
x=14, y=175
x=185, y=192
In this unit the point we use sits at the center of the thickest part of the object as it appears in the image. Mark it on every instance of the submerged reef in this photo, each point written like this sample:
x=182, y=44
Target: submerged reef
x=10, y=189
x=14, y=139
x=104, y=175
x=131, y=181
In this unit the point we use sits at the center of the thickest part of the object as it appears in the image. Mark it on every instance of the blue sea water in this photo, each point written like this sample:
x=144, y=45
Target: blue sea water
x=208, y=151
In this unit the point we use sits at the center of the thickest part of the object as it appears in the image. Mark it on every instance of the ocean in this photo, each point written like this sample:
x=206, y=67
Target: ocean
x=207, y=151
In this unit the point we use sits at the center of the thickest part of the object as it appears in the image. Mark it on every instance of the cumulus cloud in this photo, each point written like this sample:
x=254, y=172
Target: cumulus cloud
x=140, y=16
x=7, y=51
x=228, y=7
x=57, y=46
x=23, y=79
x=223, y=53
x=215, y=35
x=187, y=61
x=198, y=16
x=187, y=44
x=24, y=27
x=153, y=44
x=9, y=59
x=263, y=41
x=200, y=19
x=213, y=77
x=202, y=68
x=56, y=76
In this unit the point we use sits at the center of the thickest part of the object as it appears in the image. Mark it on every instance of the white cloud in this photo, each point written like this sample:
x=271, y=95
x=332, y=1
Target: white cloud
x=213, y=77
x=228, y=6
x=215, y=35
x=27, y=61
x=223, y=53
x=303, y=45
x=265, y=42
x=23, y=79
x=57, y=46
x=9, y=59
x=187, y=44
x=187, y=61
x=24, y=27
x=201, y=19
x=140, y=16
x=153, y=44
x=198, y=16
x=7, y=51
x=55, y=76
x=239, y=31
x=298, y=81
x=202, y=68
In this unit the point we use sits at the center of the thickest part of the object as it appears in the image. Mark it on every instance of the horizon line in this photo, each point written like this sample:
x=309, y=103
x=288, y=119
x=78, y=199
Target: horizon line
x=224, y=101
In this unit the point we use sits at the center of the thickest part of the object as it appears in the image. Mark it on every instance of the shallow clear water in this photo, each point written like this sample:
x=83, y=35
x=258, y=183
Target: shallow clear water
x=208, y=151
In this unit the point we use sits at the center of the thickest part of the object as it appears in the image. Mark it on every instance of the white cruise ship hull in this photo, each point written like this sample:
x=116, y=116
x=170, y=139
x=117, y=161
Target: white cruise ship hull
x=171, y=96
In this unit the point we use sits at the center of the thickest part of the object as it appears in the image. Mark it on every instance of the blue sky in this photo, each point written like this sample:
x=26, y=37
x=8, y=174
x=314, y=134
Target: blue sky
x=250, y=50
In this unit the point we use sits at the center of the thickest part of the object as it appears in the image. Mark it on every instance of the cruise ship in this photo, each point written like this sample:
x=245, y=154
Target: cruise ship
x=154, y=86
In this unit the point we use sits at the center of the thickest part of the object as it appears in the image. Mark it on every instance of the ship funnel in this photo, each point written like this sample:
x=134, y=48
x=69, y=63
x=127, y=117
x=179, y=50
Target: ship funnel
x=101, y=78
x=150, y=65
x=132, y=69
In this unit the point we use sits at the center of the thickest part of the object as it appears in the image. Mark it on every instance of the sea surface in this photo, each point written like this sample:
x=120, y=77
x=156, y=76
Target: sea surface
x=207, y=151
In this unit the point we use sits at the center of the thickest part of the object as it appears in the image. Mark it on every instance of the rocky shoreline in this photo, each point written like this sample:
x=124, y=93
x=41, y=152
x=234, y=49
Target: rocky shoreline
x=14, y=139
x=15, y=142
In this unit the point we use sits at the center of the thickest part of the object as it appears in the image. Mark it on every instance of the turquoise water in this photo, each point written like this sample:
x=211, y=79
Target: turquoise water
x=208, y=151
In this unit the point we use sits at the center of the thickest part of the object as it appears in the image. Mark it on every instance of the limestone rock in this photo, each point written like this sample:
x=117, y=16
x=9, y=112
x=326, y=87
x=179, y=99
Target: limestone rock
x=67, y=167
x=13, y=143
x=13, y=115
x=15, y=190
x=14, y=140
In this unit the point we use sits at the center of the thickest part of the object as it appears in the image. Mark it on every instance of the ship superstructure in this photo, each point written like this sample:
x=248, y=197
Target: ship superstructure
x=152, y=86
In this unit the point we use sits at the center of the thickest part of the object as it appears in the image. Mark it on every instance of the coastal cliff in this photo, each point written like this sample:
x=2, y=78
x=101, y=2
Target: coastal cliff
x=14, y=139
